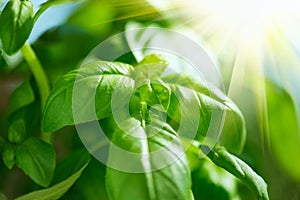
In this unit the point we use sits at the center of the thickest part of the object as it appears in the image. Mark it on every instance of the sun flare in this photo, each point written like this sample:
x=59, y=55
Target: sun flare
x=252, y=40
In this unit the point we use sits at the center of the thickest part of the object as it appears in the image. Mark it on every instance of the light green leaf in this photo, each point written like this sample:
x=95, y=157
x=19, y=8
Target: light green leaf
x=283, y=128
x=212, y=102
x=47, y=5
x=168, y=182
x=71, y=167
x=152, y=66
x=37, y=159
x=97, y=80
x=9, y=155
x=21, y=97
x=238, y=168
x=16, y=131
x=16, y=23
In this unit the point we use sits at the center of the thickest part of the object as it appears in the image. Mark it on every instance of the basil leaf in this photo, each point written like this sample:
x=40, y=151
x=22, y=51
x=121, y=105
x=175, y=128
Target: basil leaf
x=37, y=159
x=98, y=79
x=21, y=97
x=9, y=155
x=29, y=115
x=16, y=131
x=80, y=160
x=170, y=182
x=238, y=168
x=209, y=177
x=16, y=23
x=283, y=121
x=152, y=66
x=212, y=102
x=155, y=94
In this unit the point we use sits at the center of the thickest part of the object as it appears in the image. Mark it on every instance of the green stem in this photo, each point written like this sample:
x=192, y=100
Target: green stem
x=41, y=80
x=143, y=113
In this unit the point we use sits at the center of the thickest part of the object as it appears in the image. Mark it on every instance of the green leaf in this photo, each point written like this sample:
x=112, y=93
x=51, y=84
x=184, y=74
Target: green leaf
x=209, y=177
x=98, y=79
x=2, y=142
x=16, y=23
x=283, y=124
x=29, y=114
x=152, y=66
x=167, y=182
x=44, y=6
x=9, y=155
x=238, y=168
x=17, y=132
x=3, y=62
x=21, y=97
x=37, y=159
x=76, y=161
x=212, y=102
x=72, y=167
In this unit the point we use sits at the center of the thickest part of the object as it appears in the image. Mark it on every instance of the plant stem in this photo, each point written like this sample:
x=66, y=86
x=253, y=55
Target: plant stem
x=143, y=113
x=41, y=80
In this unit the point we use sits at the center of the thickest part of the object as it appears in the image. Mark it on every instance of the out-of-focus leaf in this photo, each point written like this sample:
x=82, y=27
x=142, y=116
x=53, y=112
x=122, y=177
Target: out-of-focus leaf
x=22, y=96
x=9, y=155
x=90, y=185
x=170, y=182
x=3, y=62
x=37, y=159
x=284, y=128
x=75, y=164
x=99, y=79
x=16, y=131
x=91, y=20
x=238, y=168
x=16, y=22
x=2, y=196
x=2, y=142
x=71, y=165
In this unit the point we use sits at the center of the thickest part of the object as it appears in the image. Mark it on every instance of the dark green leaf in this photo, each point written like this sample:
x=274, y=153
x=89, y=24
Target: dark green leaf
x=73, y=167
x=16, y=131
x=37, y=159
x=16, y=23
x=22, y=96
x=213, y=183
x=2, y=142
x=283, y=121
x=91, y=97
x=168, y=182
x=9, y=155
x=3, y=62
x=239, y=169
x=29, y=114
x=91, y=184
